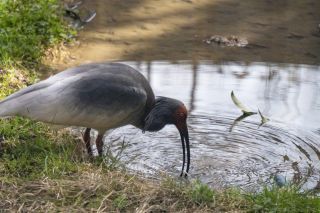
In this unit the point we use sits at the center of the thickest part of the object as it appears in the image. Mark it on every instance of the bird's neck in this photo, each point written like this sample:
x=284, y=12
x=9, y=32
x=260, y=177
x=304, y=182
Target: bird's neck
x=150, y=104
x=159, y=116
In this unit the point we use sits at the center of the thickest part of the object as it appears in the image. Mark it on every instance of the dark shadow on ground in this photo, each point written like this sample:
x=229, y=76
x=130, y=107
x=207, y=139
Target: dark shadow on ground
x=277, y=31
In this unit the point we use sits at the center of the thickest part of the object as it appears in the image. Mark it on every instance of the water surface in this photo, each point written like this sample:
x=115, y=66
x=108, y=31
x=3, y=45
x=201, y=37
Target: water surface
x=226, y=153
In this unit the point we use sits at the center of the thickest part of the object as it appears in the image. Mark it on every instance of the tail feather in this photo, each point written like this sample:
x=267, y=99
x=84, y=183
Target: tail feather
x=9, y=105
x=6, y=109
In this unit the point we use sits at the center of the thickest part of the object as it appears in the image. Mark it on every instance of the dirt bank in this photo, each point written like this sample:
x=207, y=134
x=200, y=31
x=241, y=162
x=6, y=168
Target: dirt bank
x=277, y=31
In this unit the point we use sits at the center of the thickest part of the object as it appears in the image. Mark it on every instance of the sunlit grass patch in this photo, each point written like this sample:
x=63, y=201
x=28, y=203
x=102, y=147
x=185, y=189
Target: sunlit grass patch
x=31, y=150
x=201, y=193
x=27, y=28
x=13, y=78
x=285, y=199
x=89, y=189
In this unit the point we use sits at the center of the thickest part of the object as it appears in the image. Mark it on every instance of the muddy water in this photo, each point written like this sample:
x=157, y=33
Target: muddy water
x=225, y=152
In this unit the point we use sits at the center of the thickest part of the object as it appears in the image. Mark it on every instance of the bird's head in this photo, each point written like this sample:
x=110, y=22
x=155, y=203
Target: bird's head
x=170, y=111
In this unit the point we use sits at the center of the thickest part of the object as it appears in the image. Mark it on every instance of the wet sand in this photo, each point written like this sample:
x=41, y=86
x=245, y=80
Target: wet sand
x=277, y=31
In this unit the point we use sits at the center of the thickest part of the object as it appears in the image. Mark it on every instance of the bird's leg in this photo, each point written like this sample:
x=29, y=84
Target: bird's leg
x=99, y=144
x=86, y=139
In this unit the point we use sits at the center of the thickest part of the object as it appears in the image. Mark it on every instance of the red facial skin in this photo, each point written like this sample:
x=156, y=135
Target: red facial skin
x=180, y=117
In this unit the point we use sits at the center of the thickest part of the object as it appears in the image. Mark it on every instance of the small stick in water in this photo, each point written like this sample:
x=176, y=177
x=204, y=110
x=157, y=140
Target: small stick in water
x=263, y=119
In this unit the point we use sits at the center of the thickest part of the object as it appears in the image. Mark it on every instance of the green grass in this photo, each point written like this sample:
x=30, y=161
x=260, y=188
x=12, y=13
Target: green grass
x=13, y=78
x=28, y=27
x=286, y=199
x=201, y=193
x=31, y=150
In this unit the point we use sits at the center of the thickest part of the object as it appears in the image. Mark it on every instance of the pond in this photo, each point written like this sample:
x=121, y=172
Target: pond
x=226, y=152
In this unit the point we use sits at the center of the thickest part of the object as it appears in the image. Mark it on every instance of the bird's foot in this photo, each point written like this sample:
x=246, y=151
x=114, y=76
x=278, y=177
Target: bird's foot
x=184, y=174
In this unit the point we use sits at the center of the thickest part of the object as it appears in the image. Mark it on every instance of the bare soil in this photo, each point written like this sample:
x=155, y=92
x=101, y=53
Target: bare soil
x=284, y=31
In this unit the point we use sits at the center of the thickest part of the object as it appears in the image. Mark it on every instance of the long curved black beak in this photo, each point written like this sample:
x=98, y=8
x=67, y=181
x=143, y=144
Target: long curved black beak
x=183, y=130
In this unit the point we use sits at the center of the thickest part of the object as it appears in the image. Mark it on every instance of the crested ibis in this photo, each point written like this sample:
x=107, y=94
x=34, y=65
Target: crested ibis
x=101, y=96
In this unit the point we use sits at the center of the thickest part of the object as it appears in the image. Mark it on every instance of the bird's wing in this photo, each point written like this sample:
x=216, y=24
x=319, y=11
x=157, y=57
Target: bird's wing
x=71, y=72
x=92, y=99
x=99, y=68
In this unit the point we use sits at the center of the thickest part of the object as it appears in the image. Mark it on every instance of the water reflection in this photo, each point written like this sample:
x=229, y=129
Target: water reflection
x=250, y=154
x=275, y=88
x=238, y=119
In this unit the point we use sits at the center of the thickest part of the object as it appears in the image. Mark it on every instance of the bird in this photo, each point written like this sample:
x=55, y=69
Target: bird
x=100, y=96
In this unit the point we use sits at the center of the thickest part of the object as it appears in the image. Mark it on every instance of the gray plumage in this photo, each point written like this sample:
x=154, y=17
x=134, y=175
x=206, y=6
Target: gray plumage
x=88, y=95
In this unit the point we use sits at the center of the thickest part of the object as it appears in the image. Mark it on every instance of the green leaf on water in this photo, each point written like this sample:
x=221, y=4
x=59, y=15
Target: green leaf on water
x=242, y=107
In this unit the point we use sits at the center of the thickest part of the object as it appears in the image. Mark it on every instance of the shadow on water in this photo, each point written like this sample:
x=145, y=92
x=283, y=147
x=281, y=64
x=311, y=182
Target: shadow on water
x=249, y=155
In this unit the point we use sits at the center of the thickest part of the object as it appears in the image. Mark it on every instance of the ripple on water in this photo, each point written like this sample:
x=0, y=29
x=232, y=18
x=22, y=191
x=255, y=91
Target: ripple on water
x=246, y=157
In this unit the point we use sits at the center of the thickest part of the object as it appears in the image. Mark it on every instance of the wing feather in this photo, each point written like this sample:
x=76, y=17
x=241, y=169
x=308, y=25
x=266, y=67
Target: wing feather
x=93, y=98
